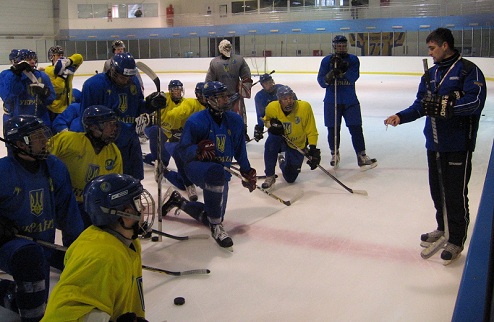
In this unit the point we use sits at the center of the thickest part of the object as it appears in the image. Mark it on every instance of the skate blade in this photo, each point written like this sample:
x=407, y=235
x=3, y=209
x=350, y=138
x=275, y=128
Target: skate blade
x=447, y=262
x=433, y=248
x=368, y=167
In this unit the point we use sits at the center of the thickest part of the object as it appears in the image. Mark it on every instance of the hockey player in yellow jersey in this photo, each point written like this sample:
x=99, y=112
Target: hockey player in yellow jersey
x=90, y=154
x=295, y=120
x=61, y=72
x=102, y=279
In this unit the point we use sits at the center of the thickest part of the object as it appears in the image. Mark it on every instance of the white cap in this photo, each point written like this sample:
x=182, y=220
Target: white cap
x=225, y=47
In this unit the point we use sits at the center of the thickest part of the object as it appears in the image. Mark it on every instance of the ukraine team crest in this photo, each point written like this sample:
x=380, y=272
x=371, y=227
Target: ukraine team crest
x=220, y=142
x=92, y=172
x=36, y=201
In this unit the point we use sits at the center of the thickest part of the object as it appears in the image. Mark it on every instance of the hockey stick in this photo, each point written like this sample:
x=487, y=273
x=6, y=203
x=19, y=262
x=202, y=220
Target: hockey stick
x=149, y=268
x=258, y=177
x=148, y=71
x=33, y=80
x=336, y=145
x=441, y=242
x=272, y=72
x=285, y=202
x=182, y=273
x=198, y=236
x=290, y=142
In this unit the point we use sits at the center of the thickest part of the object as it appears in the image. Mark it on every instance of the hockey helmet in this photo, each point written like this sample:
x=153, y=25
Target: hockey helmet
x=28, y=129
x=117, y=44
x=286, y=97
x=13, y=56
x=176, y=89
x=214, y=90
x=340, y=45
x=264, y=78
x=199, y=87
x=225, y=47
x=106, y=197
x=123, y=67
x=99, y=115
x=55, y=50
x=76, y=95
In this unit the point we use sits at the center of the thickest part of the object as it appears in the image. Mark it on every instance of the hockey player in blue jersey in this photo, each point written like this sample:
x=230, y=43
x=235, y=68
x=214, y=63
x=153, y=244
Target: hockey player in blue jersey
x=344, y=69
x=119, y=89
x=21, y=94
x=211, y=139
x=265, y=96
x=35, y=199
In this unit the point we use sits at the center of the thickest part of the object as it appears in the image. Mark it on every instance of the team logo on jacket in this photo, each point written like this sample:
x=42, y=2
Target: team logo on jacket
x=109, y=164
x=36, y=201
x=288, y=127
x=220, y=142
x=92, y=172
x=122, y=103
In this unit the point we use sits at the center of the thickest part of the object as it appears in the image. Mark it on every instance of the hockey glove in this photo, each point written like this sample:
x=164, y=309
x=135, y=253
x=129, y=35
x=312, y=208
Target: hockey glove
x=314, y=156
x=439, y=105
x=63, y=67
x=130, y=317
x=20, y=67
x=276, y=127
x=251, y=177
x=41, y=90
x=258, y=132
x=142, y=121
x=156, y=100
x=8, y=230
x=206, y=150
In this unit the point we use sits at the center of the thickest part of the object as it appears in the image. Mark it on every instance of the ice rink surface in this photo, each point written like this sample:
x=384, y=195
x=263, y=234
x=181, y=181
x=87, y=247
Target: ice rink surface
x=332, y=255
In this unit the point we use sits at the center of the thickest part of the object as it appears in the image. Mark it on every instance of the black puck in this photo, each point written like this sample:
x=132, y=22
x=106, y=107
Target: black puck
x=179, y=301
x=155, y=238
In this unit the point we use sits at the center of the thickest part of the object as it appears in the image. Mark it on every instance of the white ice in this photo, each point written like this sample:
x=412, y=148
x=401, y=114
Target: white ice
x=332, y=255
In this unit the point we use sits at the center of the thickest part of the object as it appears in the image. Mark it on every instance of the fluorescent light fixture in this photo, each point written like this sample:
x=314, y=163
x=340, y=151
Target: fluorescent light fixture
x=345, y=28
x=320, y=29
x=397, y=27
x=424, y=26
x=274, y=30
x=296, y=30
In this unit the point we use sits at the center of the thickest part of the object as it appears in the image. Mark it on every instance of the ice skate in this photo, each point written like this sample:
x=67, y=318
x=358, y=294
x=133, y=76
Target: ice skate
x=428, y=238
x=191, y=192
x=451, y=253
x=220, y=235
x=269, y=182
x=335, y=160
x=171, y=199
x=364, y=162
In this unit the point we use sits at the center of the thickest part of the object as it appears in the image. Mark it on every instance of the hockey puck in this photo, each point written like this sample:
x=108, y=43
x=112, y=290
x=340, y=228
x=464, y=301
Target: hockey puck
x=155, y=238
x=179, y=301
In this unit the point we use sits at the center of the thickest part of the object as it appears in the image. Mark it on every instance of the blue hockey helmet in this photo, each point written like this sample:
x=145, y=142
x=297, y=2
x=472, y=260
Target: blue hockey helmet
x=55, y=50
x=124, y=64
x=213, y=89
x=27, y=54
x=199, y=87
x=282, y=94
x=99, y=115
x=340, y=45
x=211, y=92
x=264, y=78
x=76, y=95
x=13, y=56
x=175, y=83
x=27, y=129
x=108, y=196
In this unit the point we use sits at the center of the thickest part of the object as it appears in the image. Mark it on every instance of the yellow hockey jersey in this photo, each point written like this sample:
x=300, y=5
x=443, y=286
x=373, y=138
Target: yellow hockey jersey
x=77, y=153
x=100, y=272
x=62, y=86
x=300, y=124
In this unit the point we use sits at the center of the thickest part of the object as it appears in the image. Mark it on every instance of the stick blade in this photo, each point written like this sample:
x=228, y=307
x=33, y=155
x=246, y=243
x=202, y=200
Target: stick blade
x=195, y=272
x=360, y=192
x=148, y=71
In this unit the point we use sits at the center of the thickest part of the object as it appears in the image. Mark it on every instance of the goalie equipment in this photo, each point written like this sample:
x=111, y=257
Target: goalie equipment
x=439, y=105
x=245, y=87
x=225, y=48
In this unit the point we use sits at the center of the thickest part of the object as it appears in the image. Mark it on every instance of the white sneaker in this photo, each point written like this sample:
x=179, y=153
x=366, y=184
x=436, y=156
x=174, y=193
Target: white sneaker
x=191, y=192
